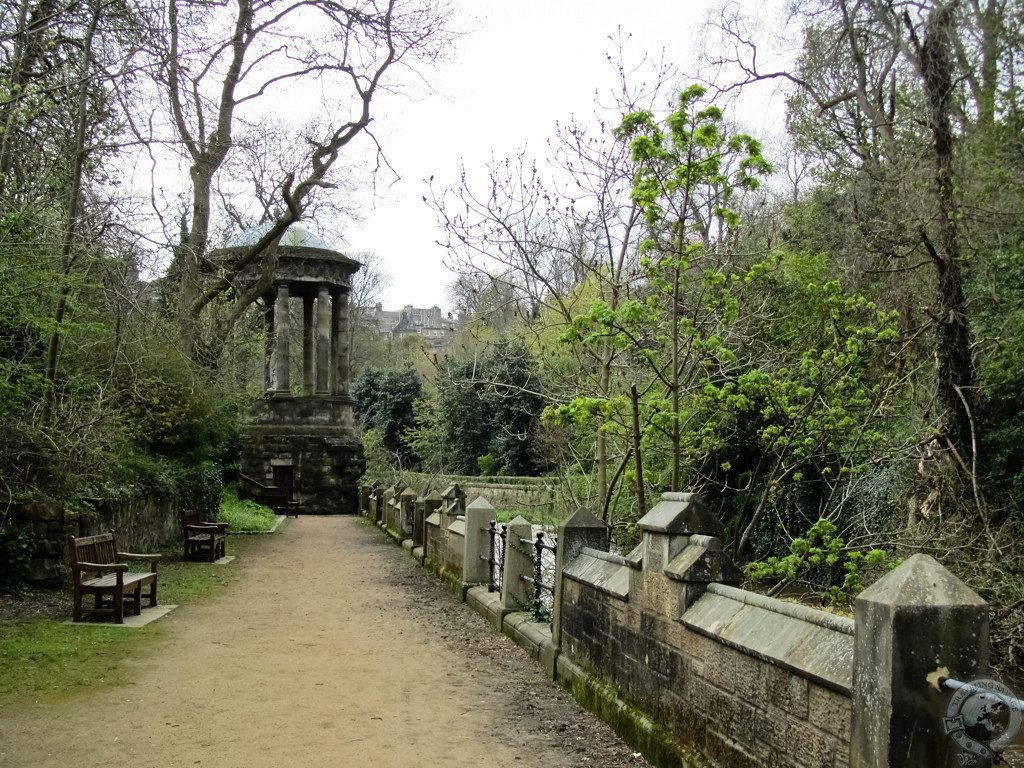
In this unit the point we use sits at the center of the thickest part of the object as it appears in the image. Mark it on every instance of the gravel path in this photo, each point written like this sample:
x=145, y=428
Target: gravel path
x=332, y=649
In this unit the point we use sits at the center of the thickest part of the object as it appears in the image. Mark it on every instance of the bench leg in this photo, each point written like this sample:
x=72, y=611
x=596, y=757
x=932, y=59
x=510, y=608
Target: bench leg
x=76, y=608
x=152, y=595
x=119, y=606
x=137, y=600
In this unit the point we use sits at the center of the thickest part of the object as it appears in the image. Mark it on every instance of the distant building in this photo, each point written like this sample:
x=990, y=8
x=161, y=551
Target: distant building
x=430, y=323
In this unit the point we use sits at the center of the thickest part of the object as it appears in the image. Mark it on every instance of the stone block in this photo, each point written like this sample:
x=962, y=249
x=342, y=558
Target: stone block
x=830, y=712
x=787, y=691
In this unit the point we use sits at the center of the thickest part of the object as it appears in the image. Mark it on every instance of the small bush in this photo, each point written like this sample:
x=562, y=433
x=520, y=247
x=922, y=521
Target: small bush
x=822, y=561
x=17, y=546
x=243, y=514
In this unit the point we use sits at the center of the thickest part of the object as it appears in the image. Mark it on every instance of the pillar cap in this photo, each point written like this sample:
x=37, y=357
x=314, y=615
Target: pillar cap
x=920, y=581
x=453, y=491
x=582, y=518
x=409, y=492
x=479, y=503
x=681, y=513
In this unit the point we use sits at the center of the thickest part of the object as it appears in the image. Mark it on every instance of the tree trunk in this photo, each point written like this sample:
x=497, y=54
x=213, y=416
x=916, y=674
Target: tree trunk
x=641, y=494
x=955, y=386
x=67, y=254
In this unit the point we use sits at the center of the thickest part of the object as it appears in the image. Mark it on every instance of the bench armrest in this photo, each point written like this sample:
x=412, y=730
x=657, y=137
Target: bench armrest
x=102, y=567
x=204, y=527
x=131, y=556
x=151, y=559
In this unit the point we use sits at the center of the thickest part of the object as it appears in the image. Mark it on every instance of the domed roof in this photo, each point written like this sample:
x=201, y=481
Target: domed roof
x=294, y=236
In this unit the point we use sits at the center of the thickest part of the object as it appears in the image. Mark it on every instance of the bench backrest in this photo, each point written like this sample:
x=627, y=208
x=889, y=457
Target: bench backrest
x=190, y=517
x=101, y=549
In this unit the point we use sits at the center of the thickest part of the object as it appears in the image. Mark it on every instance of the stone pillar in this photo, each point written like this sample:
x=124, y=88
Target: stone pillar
x=477, y=544
x=703, y=562
x=323, y=341
x=282, y=359
x=453, y=504
x=308, y=367
x=431, y=504
x=268, y=355
x=407, y=504
x=667, y=529
x=516, y=594
x=377, y=513
x=387, y=505
x=581, y=529
x=910, y=623
x=339, y=330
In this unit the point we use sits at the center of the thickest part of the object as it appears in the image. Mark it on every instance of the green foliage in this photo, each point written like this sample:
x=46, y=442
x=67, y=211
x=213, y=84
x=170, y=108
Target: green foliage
x=384, y=402
x=1001, y=374
x=378, y=459
x=17, y=546
x=486, y=415
x=244, y=514
x=822, y=560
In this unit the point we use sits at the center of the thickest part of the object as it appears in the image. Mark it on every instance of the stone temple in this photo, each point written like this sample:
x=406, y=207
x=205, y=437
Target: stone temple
x=300, y=449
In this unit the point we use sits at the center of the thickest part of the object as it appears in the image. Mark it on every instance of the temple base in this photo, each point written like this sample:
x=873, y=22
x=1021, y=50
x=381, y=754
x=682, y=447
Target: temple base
x=302, y=450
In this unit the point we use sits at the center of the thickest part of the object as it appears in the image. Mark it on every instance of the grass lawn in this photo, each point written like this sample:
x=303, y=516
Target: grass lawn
x=39, y=655
x=243, y=515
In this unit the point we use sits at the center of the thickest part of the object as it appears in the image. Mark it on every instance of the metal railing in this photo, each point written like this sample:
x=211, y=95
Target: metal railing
x=543, y=589
x=495, y=555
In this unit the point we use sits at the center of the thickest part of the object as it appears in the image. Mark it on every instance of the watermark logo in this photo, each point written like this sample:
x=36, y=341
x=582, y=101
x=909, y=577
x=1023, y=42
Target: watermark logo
x=983, y=718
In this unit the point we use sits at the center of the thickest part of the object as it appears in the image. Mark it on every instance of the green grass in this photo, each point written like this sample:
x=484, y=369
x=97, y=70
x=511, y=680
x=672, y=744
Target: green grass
x=47, y=657
x=244, y=515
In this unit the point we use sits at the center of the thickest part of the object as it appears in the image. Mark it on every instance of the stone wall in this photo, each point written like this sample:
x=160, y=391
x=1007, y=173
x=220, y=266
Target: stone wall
x=697, y=673
x=143, y=523
x=730, y=705
x=533, y=497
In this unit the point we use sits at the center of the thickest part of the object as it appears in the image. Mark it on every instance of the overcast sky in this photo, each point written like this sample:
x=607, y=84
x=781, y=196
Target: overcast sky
x=519, y=68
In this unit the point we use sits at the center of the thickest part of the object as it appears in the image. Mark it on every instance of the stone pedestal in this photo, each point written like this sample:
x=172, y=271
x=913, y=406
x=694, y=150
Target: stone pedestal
x=303, y=449
x=913, y=625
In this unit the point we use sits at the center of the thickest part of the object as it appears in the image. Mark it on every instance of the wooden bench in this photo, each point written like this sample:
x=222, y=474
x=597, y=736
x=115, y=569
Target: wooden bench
x=98, y=569
x=202, y=540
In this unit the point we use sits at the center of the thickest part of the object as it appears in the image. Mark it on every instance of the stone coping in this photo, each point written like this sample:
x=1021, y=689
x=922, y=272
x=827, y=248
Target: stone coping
x=818, y=650
x=794, y=610
x=599, y=570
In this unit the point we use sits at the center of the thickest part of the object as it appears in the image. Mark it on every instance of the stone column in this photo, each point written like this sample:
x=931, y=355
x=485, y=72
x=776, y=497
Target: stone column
x=477, y=543
x=407, y=502
x=282, y=359
x=910, y=624
x=516, y=594
x=308, y=368
x=339, y=330
x=268, y=354
x=581, y=529
x=323, y=341
x=431, y=504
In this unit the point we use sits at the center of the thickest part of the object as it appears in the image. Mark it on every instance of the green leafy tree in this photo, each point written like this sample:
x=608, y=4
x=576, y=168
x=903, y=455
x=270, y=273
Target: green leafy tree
x=384, y=403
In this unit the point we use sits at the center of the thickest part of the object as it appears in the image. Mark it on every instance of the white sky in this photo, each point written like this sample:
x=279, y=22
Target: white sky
x=521, y=67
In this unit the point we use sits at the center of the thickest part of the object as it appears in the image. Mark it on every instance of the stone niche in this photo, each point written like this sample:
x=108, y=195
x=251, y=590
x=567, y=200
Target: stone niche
x=300, y=449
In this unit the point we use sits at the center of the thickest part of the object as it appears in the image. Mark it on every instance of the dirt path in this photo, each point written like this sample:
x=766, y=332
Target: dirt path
x=332, y=649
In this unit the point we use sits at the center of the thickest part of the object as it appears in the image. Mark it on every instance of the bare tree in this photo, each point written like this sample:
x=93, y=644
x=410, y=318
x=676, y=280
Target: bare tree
x=220, y=60
x=368, y=284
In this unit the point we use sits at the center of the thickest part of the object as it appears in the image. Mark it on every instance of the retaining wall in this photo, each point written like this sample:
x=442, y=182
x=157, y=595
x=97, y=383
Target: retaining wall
x=142, y=522
x=695, y=672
